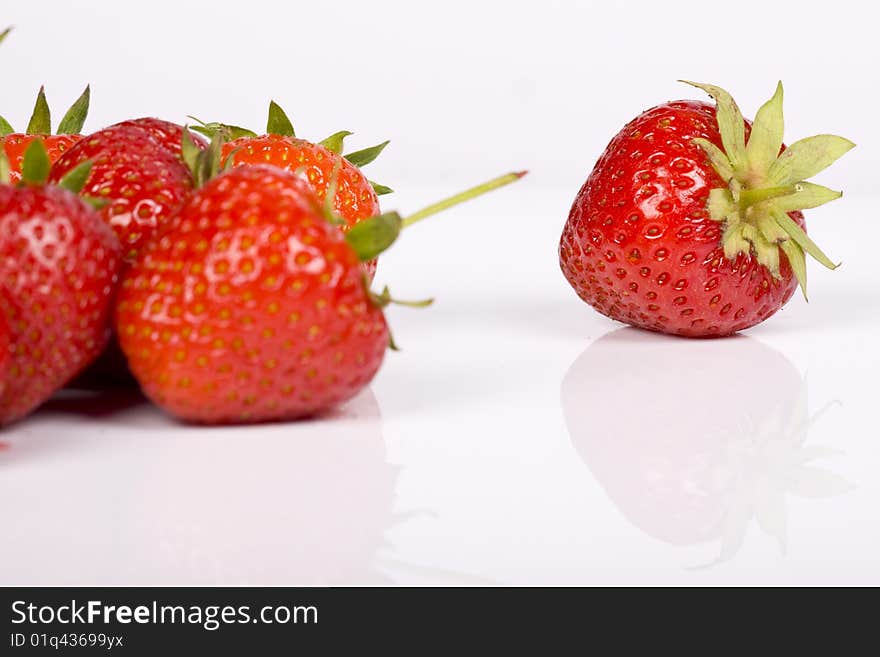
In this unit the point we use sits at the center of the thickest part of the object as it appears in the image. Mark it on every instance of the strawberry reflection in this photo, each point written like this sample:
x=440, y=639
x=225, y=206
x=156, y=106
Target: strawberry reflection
x=298, y=504
x=695, y=440
x=144, y=500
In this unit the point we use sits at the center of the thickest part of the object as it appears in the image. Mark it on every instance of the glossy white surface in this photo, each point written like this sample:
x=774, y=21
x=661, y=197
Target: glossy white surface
x=519, y=438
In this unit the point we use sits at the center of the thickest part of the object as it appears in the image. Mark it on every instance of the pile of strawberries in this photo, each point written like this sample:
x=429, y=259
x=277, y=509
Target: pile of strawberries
x=233, y=275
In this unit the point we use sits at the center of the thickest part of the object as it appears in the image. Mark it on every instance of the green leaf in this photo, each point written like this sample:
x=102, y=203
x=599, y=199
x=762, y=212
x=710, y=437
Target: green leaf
x=765, y=139
x=230, y=159
x=371, y=237
x=721, y=204
x=4, y=33
x=75, y=179
x=4, y=167
x=734, y=241
x=72, y=123
x=363, y=157
x=41, y=120
x=381, y=189
x=807, y=157
x=211, y=129
x=798, y=262
x=5, y=128
x=36, y=165
x=207, y=163
x=808, y=195
x=278, y=123
x=189, y=152
x=204, y=130
x=770, y=230
x=730, y=123
x=717, y=158
x=750, y=197
x=335, y=141
x=798, y=235
x=767, y=254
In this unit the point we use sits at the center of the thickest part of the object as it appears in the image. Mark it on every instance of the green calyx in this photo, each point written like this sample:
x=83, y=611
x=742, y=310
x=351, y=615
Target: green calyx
x=279, y=123
x=35, y=169
x=764, y=185
x=40, y=122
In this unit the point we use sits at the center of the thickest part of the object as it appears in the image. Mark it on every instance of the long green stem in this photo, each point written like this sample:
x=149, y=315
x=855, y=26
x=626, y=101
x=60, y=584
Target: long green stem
x=466, y=195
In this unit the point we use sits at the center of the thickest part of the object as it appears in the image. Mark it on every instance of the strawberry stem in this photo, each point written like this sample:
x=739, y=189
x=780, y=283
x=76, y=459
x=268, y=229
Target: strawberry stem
x=466, y=195
x=372, y=236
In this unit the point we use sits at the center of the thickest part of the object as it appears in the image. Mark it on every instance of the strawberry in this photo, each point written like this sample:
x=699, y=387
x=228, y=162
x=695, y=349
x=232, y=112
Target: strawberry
x=58, y=270
x=690, y=222
x=15, y=144
x=355, y=198
x=253, y=306
x=144, y=182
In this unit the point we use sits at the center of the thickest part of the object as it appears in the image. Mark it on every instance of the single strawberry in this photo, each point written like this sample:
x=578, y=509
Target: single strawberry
x=680, y=226
x=15, y=144
x=58, y=272
x=143, y=182
x=253, y=306
x=320, y=164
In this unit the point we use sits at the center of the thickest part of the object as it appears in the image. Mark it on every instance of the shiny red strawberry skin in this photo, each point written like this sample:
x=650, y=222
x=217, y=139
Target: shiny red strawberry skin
x=16, y=144
x=251, y=307
x=58, y=272
x=640, y=247
x=145, y=183
x=355, y=198
x=168, y=134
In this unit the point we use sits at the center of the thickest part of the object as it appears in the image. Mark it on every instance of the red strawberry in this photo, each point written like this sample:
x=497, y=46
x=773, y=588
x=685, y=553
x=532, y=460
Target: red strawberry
x=15, y=144
x=58, y=268
x=169, y=135
x=680, y=225
x=145, y=183
x=355, y=198
x=252, y=307
x=322, y=165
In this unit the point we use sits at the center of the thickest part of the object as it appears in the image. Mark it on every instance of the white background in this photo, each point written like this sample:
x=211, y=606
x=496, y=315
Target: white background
x=509, y=442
